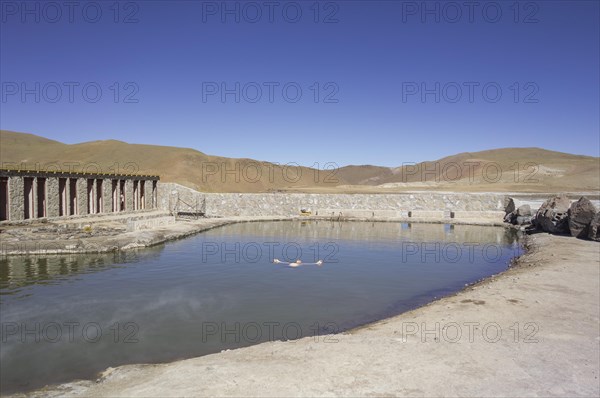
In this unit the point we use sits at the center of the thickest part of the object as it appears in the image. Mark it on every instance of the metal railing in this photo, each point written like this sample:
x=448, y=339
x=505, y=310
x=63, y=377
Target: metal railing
x=184, y=209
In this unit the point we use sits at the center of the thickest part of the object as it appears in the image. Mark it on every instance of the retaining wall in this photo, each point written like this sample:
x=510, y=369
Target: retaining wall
x=289, y=204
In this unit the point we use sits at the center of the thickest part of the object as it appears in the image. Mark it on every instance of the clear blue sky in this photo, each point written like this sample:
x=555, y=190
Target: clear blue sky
x=372, y=58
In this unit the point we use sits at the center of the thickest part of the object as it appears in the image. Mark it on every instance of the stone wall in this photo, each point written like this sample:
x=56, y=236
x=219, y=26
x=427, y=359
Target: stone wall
x=286, y=204
x=82, y=202
x=107, y=196
x=52, y=201
x=170, y=195
x=137, y=225
x=49, y=205
x=16, y=197
x=128, y=195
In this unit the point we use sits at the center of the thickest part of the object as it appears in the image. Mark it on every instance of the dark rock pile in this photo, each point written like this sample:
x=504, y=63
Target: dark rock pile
x=519, y=216
x=552, y=215
x=558, y=215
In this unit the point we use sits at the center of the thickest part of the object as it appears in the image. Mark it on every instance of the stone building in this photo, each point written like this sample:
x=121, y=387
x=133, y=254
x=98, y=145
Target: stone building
x=27, y=194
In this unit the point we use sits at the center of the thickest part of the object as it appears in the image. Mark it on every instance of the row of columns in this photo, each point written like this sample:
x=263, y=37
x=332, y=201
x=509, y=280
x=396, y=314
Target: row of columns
x=23, y=197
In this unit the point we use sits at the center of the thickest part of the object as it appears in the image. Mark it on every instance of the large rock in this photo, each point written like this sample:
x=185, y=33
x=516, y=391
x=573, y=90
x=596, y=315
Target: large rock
x=520, y=216
x=594, y=228
x=581, y=214
x=509, y=205
x=524, y=211
x=552, y=215
x=510, y=215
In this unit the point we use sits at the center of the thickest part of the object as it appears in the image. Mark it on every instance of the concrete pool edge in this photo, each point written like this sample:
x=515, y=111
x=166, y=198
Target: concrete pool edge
x=374, y=358
x=181, y=229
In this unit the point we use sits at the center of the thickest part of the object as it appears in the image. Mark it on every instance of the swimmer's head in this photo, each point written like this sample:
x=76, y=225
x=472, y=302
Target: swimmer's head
x=298, y=261
x=276, y=261
x=320, y=262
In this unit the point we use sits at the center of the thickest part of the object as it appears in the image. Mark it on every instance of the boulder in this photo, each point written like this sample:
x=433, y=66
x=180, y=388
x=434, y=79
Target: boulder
x=520, y=216
x=524, y=211
x=594, y=228
x=509, y=205
x=581, y=214
x=552, y=215
x=509, y=210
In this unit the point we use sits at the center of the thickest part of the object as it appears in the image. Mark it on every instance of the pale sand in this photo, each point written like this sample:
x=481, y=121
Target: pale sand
x=555, y=287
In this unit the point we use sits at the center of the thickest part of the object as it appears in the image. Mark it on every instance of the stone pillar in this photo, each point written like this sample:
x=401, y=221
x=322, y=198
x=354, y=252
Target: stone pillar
x=16, y=199
x=155, y=195
x=129, y=195
x=82, y=197
x=52, y=197
x=107, y=195
x=148, y=194
x=33, y=207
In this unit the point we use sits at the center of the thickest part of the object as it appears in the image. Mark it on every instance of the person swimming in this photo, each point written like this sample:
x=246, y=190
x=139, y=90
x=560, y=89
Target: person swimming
x=296, y=263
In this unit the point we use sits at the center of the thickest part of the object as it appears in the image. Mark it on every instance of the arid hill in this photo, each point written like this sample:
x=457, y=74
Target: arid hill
x=506, y=169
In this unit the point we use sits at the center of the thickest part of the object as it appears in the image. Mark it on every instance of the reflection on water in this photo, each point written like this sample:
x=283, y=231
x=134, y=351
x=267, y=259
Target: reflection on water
x=19, y=271
x=372, y=231
x=68, y=317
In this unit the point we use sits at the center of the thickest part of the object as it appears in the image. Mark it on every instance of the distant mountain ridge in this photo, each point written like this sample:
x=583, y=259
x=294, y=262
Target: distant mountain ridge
x=505, y=169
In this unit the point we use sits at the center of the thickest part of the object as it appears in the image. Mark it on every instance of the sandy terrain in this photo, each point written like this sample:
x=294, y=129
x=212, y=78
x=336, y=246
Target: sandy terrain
x=553, y=294
x=499, y=170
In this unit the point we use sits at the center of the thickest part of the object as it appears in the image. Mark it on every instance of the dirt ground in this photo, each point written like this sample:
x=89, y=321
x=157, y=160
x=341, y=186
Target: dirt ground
x=531, y=331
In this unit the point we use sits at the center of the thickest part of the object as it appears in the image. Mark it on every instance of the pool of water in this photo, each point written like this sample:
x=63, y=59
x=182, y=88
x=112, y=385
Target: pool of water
x=69, y=317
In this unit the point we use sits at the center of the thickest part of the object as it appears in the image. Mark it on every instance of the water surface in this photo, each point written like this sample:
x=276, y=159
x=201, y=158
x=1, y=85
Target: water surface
x=69, y=317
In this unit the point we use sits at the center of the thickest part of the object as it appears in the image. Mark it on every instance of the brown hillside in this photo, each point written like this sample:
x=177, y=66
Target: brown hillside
x=539, y=170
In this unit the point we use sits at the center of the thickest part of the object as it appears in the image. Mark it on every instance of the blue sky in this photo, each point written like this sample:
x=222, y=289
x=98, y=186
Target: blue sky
x=382, y=82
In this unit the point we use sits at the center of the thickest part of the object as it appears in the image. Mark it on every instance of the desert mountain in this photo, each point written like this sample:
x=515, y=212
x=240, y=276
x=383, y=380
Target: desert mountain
x=506, y=169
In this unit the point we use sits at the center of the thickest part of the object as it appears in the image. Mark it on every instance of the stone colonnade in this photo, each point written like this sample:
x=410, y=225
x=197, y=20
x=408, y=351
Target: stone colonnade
x=27, y=195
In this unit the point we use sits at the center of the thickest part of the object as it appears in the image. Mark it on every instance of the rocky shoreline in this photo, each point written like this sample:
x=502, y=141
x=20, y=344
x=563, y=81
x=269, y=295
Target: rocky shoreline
x=557, y=215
